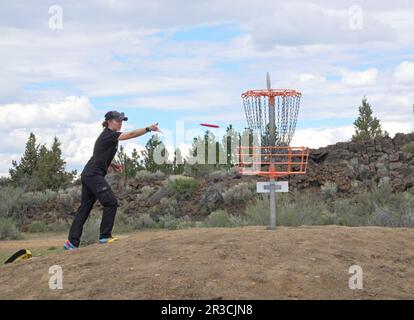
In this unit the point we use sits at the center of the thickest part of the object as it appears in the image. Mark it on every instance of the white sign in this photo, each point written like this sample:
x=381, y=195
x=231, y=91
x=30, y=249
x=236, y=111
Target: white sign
x=278, y=186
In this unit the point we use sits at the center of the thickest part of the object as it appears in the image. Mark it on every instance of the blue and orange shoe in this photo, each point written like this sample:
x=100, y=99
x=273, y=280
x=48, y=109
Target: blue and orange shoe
x=108, y=240
x=69, y=246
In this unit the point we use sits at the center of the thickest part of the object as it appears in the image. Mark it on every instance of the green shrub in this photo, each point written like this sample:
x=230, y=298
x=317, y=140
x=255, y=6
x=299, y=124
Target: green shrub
x=303, y=208
x=172, y=223
x=198, y=170
x=257, y=212
x=125, y=223
x=10, y=205
x=37, y=227
x=90, y=233
x=34, y=199
x=168, y=206
x=168, y=222
x=143, y=222
x=378, y=207
x=329, y=190
x=9, y=230
x=59, y=225
x=221, y=218
x=147, y=176
x=182, y=187
x=68, y=198
x=241, y=192
x=409, y=147
x=15, y=203
x=291, y=210
x=145, y=193
x=50, y=194
x=220, y=174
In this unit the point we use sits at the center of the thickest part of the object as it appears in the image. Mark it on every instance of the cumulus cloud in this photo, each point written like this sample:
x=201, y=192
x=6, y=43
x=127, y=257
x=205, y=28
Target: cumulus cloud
x=362, y=78
x=404, y=72
x=53, y=114
x=315, y=138
x=302, y=23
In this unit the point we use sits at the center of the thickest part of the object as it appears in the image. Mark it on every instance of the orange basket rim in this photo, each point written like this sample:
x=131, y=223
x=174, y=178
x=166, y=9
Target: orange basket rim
x=271, y=93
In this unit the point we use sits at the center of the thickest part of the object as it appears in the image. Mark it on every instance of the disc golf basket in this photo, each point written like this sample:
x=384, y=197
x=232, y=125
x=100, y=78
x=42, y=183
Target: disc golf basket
x=272, y=115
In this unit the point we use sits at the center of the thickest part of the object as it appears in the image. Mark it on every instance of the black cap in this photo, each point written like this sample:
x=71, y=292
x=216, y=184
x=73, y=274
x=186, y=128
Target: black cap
x=120, y=116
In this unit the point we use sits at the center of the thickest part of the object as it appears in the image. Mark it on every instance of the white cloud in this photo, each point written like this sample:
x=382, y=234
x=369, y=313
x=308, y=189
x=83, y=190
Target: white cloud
x=310, y=78
x=362, y=78
x=303, y=23
x=404, y=73
x=315, y=138
x=54, y=114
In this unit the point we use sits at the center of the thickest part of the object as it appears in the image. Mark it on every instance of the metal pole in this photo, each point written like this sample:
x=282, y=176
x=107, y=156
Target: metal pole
x=272, y=196
x=272, y=142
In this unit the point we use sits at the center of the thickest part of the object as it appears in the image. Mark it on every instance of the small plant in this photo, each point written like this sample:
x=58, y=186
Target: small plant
x=146, y=192
x=37, y=227
x=409, y=147
x=35, y=199
x=221, y=218
x=10, y=202
x=65, y=202
x=143, y=222
x=257, y=212
x=90, y=233
x=303, y=209
x=147, y=176
x=182, y=188
x=168, y=206
x=241, y=192
x=220, y=174
x=9, y=230
x=59, y=225
x=168, y=222
x=50, y=194
x=329, y=190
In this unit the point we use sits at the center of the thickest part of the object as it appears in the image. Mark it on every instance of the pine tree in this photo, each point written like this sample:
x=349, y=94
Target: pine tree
x=178, y=162
x=50, y=169
x=148, y=153
x=22, y=173
x=231, y=142
x=366, y=126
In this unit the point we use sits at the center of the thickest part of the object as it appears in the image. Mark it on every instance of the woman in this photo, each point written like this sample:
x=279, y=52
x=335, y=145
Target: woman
x=94, y=185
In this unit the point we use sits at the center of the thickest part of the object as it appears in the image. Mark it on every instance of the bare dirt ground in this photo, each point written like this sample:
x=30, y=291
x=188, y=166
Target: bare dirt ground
x=221, y=263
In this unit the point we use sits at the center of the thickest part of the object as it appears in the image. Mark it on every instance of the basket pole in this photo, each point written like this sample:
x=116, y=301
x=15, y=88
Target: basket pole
x=272, y=142
x=272, y=196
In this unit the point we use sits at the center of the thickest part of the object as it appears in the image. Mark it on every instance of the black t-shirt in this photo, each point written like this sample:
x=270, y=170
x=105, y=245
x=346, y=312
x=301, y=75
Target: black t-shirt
x=103, y=153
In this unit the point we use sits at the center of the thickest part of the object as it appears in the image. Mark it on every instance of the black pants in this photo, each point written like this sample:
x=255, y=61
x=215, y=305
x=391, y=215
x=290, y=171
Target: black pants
x=94, y=187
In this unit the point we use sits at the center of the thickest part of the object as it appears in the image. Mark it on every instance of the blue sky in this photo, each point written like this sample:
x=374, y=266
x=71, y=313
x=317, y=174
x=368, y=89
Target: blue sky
x=174, y=61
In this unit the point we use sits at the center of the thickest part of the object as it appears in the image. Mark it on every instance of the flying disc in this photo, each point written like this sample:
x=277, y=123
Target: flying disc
x=209, y=125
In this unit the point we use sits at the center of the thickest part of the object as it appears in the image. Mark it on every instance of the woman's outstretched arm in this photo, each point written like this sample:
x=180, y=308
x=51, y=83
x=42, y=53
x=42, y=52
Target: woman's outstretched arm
x=138, y=132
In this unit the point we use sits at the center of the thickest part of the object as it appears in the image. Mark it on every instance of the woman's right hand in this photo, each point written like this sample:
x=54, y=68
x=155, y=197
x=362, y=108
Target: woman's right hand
x=154, y=127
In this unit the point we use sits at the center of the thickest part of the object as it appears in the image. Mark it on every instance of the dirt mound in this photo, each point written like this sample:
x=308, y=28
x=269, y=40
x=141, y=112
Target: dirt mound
x=239, y=263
